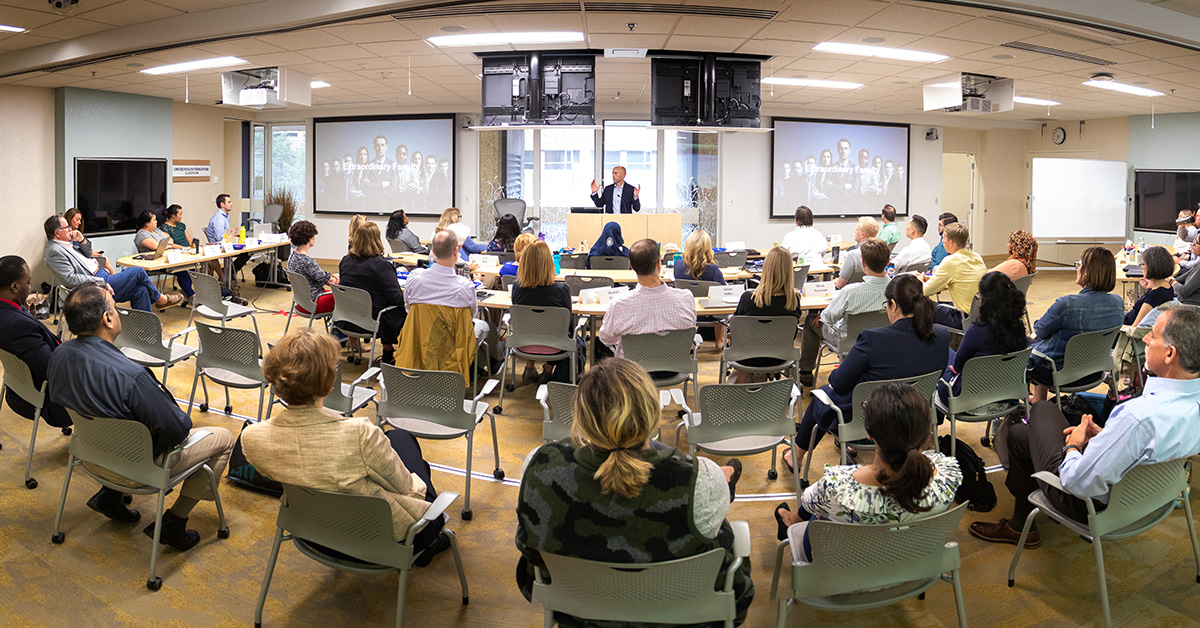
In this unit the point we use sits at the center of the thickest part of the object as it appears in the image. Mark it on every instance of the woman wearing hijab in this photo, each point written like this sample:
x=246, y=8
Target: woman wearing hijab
x=609, y=244
x=1022, y=255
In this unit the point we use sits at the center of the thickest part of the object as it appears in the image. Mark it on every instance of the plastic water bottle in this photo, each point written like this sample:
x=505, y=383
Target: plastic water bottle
x=891, y=270
x=557, y=264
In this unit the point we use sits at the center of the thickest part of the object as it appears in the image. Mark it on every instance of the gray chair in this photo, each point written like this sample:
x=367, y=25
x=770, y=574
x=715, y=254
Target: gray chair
x=729, y=259
x=1023, y=284
x=892, y=246
x=968, y=319
x=751, y=337
x=353, y=306
x=917, y=266
x=576, y=261
x=506, y=281
x=398, y=246
x=515, y=207
x=1145, y=496
x=699, y=289
x=228, y=357
x=801, y=275
x=605, y=262
x=675, y=591
x=1087, y=359
x=327, y=527
x=503, y=256
x=858, y=566
x=537, y=326
x=208, y=304
x=141, y=340
x=744, y=419
x=18, y=380
x=302, y=298
x=991, y=386
x=672, y=355
x=583, y=282
x=344, y=399
x=125, y=447
x=429, y=404
x=557, y=400
x=855, y=325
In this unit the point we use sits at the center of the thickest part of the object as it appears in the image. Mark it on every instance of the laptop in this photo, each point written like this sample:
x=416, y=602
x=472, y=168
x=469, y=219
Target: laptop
x=163, y=245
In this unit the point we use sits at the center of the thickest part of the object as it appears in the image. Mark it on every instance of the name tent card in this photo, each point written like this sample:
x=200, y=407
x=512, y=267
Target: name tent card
x=174, y=256
x=819, y=289
x=211, y=249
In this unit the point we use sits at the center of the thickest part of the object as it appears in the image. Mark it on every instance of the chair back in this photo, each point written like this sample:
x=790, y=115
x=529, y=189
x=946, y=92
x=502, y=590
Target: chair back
x=540, y=325
x=671, y=351
x=435, y=396
x=19, y=379
x=561, y=399
x=1146, y=490
x=801, y=274
x=208, y=292
x=699, y=289
x=355, y=525
x=1022, y=284
x=573, y=260
x=506, y=281
x=272, y=214
x=604, y=262
x=919, y=265
x=972, y=315
x=733, y=410
x=856, y=429
x=511, y=206
x=141, y=331
x=336, y=400
x=730, y=259
x=892, y=246
x=301, y=291
x=849, y=557
x=123, y=446
x=857, y=324
x=353, y=305
x=677, y=591
x=229, y=349
x=398, y=246
x=503, y=256
x=1087, y=354
x=989, y=379
x=575, y=283
x=761, y=337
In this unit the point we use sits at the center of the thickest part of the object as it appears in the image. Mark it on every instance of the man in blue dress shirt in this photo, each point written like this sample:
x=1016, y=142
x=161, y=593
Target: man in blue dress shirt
x=215, y=231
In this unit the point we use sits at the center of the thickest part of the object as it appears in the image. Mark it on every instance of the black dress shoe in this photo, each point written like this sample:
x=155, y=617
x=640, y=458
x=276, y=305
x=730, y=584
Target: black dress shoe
x=439, y=545
x=733, y=479
x=175, y=532
x=109, y=503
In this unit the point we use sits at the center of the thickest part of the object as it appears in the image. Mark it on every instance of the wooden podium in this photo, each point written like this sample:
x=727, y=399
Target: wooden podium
x=662, y=228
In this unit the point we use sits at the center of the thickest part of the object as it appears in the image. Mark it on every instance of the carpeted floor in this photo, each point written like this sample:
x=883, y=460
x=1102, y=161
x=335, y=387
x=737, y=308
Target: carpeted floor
x=97, y=578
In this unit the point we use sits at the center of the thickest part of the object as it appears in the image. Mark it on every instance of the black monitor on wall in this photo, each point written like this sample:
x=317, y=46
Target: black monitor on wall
x=112, y=192
x=1159, y=196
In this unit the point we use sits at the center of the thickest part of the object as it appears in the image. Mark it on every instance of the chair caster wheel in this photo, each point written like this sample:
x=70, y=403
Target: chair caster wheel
x=1010, y=582
x=204, y=407
x=985, y=441
x=498, y=409
x=772, y=475
x=127, y=499
x=58, y=538
x=228, y=410
x=154, y=584
x=31, y=484
x=223, y=533
x=509, y=388
x=466, y=601
x=803, y=484
x=921, y=596
x=67, y=431
x=498, y=474
x=349, y=359
x=680, y=414
x=358, y=361
x=467, y=514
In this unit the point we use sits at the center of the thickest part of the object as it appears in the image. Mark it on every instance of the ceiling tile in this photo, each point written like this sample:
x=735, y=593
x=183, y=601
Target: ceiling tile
x=21, y=41
x=911, y=19
x=707, y=44
x=801, y=31
x=129, y=12
x=304, y=39
x=728, y=27
x=433, y=26
x=27, y=19
x=987, y=31
x=70, y=28
x=241, y=47
x=845, y=12
x=645, y=23
x=391, y=30
x=516, y=23
x=337, y=53
x=398, y=48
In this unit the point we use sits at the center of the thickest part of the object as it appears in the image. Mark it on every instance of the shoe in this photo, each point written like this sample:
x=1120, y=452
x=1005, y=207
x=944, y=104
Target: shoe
x=389, y=357
x=787, y=464
x=175, y=532
x=529, y=376
x=546, y=376
x=172, y=300
x=239, y=300
x=186, y=302
x=783, y=527
x=807, y=379
x=109, y=503
x=439, y=545
x=733, y=479
x=1002, y=532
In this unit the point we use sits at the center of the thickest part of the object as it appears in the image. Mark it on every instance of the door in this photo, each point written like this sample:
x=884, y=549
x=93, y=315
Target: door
x=958, y=190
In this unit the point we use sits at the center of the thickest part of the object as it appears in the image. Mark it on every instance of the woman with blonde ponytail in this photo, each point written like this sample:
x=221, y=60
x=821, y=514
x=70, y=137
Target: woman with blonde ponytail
x=611, y=494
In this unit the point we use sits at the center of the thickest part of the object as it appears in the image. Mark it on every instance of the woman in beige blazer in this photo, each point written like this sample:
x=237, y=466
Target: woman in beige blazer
x=310, y=446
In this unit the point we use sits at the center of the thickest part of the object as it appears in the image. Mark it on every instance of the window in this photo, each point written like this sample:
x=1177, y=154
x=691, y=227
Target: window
x=288, y=163
x=634, y=145
x=259, y=151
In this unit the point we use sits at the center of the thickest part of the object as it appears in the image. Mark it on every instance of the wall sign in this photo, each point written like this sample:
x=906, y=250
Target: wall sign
x=191, y=170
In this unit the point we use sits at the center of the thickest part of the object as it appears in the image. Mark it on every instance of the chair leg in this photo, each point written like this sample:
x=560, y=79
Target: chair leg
x=795, y=468
x=1099, y=551
x=266, y=583
x=261, y=392
x=1012, y=567
x=778, y=566
x=785, y=606
x=154, y=583
x=956, y=582
x=31, y=483
x=953, y=437
x=503, y=382
x=222, y=528
x=401, y=595
x=497, y=473
x=462, y=576
x=258, y=336
x=291, y=312
x=466, y=511
x=191, y=317
x=58, y=535
x=192, y=397
x=812, y=443
x=1191, y=523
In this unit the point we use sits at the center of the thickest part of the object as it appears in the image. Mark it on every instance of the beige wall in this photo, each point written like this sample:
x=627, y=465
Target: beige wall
x=27, y=172
x=198, y=133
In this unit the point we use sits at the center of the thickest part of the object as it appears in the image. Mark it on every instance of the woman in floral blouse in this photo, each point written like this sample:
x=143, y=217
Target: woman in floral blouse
x=903, y=482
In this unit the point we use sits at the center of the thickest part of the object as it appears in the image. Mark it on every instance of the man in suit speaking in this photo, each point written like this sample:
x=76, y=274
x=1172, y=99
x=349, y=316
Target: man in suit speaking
x=618, y=198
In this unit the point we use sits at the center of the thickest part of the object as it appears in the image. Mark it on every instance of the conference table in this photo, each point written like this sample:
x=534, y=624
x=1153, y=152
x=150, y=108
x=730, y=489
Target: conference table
x=188, y=258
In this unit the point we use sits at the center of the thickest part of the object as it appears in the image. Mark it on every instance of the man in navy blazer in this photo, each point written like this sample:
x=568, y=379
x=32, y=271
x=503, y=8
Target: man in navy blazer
x=26, y=337
x=617, y=195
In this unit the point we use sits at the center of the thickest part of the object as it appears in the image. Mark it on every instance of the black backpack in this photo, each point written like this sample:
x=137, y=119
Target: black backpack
x=241, y=472
x=975, y=487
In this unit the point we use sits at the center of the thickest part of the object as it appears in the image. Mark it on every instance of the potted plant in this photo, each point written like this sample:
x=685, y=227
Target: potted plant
x=285, y=198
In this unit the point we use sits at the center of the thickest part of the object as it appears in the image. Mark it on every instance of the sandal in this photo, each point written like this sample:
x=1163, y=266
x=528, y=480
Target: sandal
x=172, y=300
x=783, y=527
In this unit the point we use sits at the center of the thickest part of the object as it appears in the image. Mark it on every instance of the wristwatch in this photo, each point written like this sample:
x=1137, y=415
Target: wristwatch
x=1069, y=448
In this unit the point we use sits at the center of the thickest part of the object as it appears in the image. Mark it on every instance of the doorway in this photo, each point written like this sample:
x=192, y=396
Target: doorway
x=959, y=190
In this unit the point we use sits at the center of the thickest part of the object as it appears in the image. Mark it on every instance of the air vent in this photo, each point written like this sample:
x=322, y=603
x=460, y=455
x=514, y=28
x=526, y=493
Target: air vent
x=1039, y=119
x=482, y=7
x=1074, y=31
x=1055, y=52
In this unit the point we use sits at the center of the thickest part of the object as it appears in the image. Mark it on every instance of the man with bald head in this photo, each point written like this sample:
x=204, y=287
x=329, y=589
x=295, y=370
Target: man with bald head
x=618, y=197
x=440, y=284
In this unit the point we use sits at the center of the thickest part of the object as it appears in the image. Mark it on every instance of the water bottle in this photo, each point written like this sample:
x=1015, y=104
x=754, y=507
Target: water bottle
x=242, y=235
x=557, y=264
x=891, y=270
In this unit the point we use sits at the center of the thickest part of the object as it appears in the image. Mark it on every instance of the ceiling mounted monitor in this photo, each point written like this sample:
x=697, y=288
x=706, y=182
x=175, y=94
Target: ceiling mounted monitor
x=705, y=89
x=539, y=88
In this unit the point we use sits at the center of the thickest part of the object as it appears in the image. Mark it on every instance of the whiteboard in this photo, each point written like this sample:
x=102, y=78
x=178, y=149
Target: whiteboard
x=1078, y=199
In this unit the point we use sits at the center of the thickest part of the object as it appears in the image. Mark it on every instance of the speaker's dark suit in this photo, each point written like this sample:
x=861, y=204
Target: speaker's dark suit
x=629, y=204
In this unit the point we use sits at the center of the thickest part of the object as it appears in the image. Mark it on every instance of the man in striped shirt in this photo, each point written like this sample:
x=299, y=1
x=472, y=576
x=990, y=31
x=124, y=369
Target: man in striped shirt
x=651, y=307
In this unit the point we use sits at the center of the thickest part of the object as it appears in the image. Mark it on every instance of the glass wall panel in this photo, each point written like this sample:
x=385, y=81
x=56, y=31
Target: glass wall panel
x=632, y=144
x=568, y=165
x=690, y=179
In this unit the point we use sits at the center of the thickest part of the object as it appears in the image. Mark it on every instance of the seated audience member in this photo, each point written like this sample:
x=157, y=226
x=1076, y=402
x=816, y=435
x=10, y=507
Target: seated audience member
x=365, y=267
x=856, y=298
x=959, y=273
x=303, y=235
x=146, y=240
x=73, y=270
x=466, y=245
x=218, y=225
x=1187, y=284
x=917, y=252
x=609, y=244
x=397, y=229
x=698, y=261
x=652, y=306
x=906, y=480
x=507, y=230
x=450, y=216
x=27, y=338
x=852, y=267
x=1022, y=255
x=356, y=223
x=307, y=445
x=1092, y=309
x=671, y=505
x=172, y=225
x=1158, y=426
x=939, y=251
x=90, y=375
x=536, y=286
x=1157, y=268
x=83, y=245
x=911, y=346
x=440, y=284
x=520, y=245
x=999, y=329
x=775, y=295
x=890, y=231
x=1185, y=237
x=805, y=241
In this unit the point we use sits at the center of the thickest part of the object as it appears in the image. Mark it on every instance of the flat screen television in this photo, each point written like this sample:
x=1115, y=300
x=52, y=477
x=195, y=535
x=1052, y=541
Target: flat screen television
x=538, y=87
x=839, y=168
x=678, y=97
x=1159, y=195
x=378, y=164
x=112, y=192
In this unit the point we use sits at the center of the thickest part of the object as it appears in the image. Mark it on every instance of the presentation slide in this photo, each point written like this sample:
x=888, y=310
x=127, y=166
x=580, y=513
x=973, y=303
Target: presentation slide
x=376, y=165
x=839, y=168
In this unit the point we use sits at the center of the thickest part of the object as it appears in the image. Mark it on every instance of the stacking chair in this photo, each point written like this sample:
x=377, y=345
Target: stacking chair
x=675, y=591
x=1022, y=284
x=1143, y=498
x=672, y=353
x=515, y=207
x=344, y=399
x=141, y=340
x=353, y=306
x=503, y=256
x=59, y=297
x=967, y=320
x=398, y=246
x=729, y=259
x=854, y=429
x=987, y=380
x=582, y=282
x=858, y=566
x=744, y=419
x=855, y=325
x=429, y=404
x=699, y=289
x=506, y=281
x=228, y=357
x=750, y=337
x=892, y=246
x=605, y=262
x=18, y=380
x=537, y=326
x=1087, y=360
x=208, y=303
x=323, y=524
x=573, y=260
x=558, y=414
x=917, y=266
x=302, y=298
x=125, y=447
x=801, y=275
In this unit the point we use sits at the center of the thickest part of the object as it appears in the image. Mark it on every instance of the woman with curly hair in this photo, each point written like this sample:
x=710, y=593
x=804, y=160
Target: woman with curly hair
x=1022, y=255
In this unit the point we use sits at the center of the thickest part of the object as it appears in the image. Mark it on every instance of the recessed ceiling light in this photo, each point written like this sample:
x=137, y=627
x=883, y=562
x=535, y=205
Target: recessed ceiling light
x=190, y=66
x=317, y=84
x=1035, y=101
x=879, y=51
x=453, y=29
x=794, y=82
x=135, y=65
x=1003, y=57
x=11, y=29
x=900, y=82
x=873, y=40
x=800, y=76
x=1139, y=82
x=492, y=39
x=1123, y=88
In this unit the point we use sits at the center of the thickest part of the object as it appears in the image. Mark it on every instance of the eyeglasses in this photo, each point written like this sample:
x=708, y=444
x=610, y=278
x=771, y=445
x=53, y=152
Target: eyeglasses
x=1078, y=264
